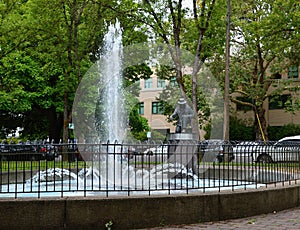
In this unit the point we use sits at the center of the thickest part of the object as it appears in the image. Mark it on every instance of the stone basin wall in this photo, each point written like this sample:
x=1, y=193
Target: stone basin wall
x=144, y=211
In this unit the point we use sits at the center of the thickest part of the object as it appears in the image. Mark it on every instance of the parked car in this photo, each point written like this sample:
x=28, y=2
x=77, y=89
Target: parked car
x=4, y=151
x=27, y=152
x=15, y=151
x=48, y=151
x=286, y=149
x=215, y=150
x=243, y=151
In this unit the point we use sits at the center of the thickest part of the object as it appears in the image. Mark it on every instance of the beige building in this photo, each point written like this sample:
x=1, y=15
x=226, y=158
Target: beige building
x=149, y=107
x=275, y=113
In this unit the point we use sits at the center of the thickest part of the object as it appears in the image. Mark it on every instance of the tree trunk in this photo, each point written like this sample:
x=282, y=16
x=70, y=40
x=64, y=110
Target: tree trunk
x=227, y=77
x=65, y=127
x=197, y=62
x=55, y=121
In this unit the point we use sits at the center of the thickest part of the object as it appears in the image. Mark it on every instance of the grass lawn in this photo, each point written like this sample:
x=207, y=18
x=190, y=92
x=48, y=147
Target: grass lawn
x=39, y=165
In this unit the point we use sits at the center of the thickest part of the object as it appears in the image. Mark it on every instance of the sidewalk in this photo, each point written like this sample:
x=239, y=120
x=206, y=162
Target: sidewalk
x=286, y=219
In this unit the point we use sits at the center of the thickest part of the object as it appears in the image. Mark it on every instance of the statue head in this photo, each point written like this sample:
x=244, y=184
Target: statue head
x=181, y=102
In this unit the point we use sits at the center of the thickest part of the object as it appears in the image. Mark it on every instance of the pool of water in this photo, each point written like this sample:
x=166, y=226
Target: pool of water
x=73, y=188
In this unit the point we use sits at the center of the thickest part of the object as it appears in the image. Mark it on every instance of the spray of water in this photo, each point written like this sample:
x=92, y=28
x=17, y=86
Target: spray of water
x=112, y=116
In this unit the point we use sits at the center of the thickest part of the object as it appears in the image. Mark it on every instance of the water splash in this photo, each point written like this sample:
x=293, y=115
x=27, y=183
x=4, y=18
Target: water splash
x=52, y=175
x=114, y=175
x=111, y=118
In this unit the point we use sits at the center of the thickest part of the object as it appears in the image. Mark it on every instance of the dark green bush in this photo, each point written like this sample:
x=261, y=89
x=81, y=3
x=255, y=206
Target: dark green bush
x=278, y=132
x=238, y=130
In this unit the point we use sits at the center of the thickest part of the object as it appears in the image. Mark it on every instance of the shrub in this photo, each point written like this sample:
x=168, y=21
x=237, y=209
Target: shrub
x=239, y=130
x=278, y=132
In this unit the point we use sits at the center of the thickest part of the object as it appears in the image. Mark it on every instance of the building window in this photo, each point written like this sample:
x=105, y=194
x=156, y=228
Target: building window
x=276, y=76
x=141, y=108
x=279, y=102
x=157, y=108
x=293, y=72
x=173, y=81
x=161, y=83
x=148, y=83
x=243, y=107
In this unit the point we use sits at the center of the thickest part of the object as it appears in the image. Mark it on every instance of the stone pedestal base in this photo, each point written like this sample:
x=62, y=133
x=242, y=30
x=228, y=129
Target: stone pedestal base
x=183, y=149
x=182, y=137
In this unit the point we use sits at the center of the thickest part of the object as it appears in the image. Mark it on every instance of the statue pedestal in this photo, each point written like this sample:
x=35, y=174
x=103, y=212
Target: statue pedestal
x=182, y=137
x=183, y=148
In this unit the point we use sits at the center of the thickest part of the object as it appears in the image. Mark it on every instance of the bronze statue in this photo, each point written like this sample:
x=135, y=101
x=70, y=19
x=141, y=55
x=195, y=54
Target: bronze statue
x=185, y=115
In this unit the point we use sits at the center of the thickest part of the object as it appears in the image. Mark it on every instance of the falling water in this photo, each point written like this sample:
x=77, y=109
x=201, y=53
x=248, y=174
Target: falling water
x=111, y=86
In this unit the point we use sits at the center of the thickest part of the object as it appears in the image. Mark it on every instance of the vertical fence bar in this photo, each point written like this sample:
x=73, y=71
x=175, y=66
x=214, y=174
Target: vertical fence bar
x=1, y=173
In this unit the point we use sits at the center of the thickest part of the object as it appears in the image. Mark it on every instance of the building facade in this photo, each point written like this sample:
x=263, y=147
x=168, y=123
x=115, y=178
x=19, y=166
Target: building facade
x=149, y=106
x=276, y=114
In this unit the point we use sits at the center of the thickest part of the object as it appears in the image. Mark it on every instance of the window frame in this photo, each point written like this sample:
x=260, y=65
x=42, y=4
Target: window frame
x=156, y=108
x=293, y=72
x=161, y=83
x=278, y=104
x=141, y=108
x=148, y=83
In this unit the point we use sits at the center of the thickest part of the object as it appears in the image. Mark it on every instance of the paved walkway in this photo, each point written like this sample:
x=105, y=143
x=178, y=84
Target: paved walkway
x=283, y=220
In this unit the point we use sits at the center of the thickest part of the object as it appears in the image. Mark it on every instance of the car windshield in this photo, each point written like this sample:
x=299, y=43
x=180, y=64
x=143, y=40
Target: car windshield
x=288, y=143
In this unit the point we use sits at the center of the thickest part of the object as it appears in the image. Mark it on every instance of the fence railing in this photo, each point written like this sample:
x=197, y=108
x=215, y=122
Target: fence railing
x=108, y=169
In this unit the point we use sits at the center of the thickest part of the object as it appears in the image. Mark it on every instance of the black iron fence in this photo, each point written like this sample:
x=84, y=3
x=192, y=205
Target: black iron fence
x=108, y=169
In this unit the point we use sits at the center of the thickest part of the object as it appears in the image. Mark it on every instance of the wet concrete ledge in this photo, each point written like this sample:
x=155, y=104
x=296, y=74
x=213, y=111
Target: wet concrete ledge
x=143, y=211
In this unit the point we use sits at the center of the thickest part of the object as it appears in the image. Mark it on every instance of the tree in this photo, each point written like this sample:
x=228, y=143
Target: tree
x=12, y=37
x=24, y=91
x=21, y=69
x=13, y=33
x=46, y=48
x=69, y=34
x=75, y=41
x=179, y=27
x=262, y=42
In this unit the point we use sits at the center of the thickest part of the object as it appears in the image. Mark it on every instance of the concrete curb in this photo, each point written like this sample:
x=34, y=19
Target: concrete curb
x=143, y=212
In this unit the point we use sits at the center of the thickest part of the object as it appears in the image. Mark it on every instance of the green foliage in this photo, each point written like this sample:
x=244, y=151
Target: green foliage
x=45, y=50
x=134, y=73
x=46, y=46
x=165, y=72
x=263, y=36
x=214, y=39
x=109, y=225
x=276, y=132
x=138, y=124
x=239, y=130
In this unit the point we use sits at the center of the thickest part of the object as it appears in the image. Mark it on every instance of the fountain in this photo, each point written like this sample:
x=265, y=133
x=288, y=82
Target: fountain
x=108, y=173
x=109, y=122
x=99, y=114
